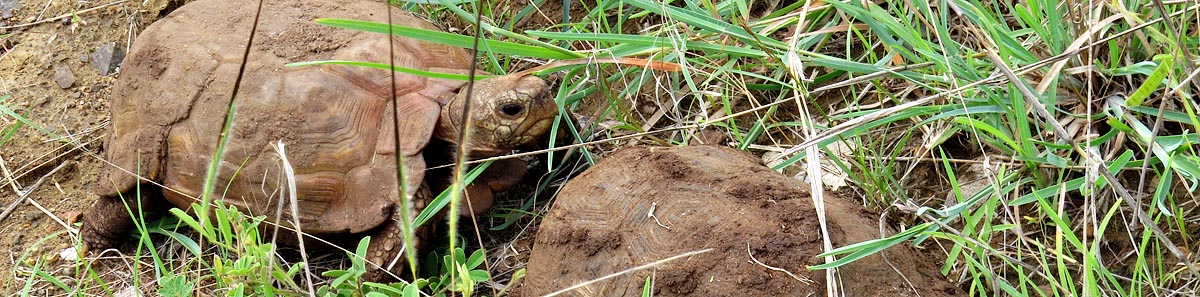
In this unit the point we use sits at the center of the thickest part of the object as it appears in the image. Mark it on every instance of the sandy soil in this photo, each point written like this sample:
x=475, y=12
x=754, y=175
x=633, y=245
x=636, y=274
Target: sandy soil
x=705, y=197
x=48, y=77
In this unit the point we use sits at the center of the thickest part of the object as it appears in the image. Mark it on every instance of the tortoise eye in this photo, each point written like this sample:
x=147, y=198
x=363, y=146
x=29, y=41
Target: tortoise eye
x=511, y=109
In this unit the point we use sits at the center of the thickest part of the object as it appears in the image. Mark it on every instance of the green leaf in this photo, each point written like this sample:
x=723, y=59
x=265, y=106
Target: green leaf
x=476, y=259
x=5, y=110
x=1073, y=184
x=382, y=289
x=1143, y=68
x=174, y=286
x=185, y=218
x=1162, y=189
x=443, y=198
x=337, y=282
x=361, y=251
x=479, y=275
x=187, y=242
x=412, y=71
x=646, y=289
x=53, y=280
x=496, y=46
x=870, y=247
x=412, y=291
x=1187, y=166
x=706, y=22
x=648, y=42
x=1165, y=63
x=989, y=129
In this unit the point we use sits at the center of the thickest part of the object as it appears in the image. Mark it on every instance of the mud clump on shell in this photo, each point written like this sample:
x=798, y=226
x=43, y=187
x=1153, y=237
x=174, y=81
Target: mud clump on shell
x=704, y=197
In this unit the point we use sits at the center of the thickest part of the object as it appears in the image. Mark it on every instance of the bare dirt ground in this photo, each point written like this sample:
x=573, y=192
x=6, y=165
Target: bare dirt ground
x=714, y=197
x=49, y=75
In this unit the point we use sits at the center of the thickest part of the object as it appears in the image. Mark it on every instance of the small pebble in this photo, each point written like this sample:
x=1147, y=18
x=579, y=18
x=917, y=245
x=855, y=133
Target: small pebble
x=7, y=7
x=107, y=58
x=63, y=76
x=69, y=254
x=41, y=102
x=128, y=292
x=32, y=216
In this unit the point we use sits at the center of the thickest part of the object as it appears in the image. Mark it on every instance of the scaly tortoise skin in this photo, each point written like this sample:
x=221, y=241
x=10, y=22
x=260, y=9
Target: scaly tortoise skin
x=173, y=92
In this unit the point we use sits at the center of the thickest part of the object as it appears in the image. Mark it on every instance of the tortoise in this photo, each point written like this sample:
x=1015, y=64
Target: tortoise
x=173, y=92
x=644, y=204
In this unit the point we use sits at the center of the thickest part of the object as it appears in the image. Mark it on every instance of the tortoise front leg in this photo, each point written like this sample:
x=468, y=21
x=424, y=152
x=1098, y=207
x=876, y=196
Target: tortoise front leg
x=108, y=221
x=503, y=175
x=385, y=254
x=387, y=242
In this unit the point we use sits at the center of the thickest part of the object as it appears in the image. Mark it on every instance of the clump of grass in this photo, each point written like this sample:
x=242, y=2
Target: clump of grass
x=997, y=84
x=1083, y=119
x=1076, y=124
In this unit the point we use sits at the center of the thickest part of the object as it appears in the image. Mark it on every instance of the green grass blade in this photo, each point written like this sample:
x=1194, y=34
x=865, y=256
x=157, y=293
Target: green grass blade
x=9, y=112
x=443, y=199
x=495, y=46
x=863, y=249
x=383, y=66
x=1165, y=64
x=648, y=42
x=707, y=22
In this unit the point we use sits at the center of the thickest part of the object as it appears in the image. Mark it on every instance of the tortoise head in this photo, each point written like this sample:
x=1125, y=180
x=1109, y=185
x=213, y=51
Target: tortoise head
x=507, y=112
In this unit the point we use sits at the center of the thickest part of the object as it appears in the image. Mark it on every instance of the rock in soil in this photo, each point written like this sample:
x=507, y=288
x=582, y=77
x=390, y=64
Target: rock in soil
x=7, y=7
x=704, y=197
x=63, y=76
x=107, y=58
